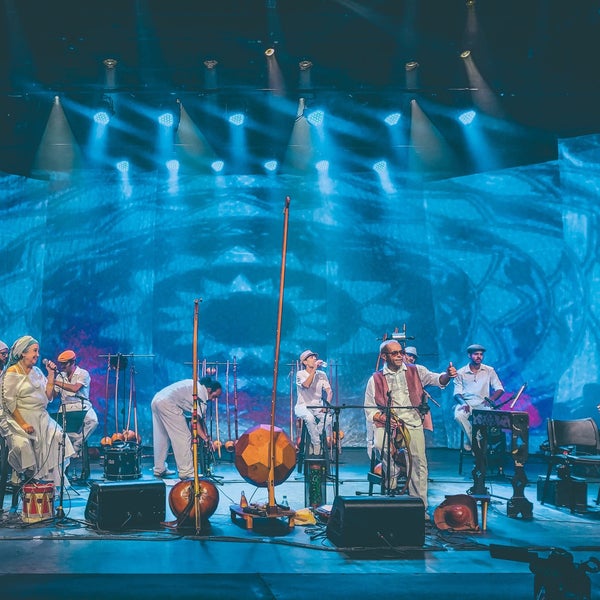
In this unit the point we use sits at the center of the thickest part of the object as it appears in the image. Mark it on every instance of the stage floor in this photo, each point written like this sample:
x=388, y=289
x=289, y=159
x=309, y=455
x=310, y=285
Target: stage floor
x=72, y=558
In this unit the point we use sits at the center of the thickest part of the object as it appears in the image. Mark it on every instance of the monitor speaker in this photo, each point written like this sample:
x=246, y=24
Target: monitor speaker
x=126, y=505
x=376, y=521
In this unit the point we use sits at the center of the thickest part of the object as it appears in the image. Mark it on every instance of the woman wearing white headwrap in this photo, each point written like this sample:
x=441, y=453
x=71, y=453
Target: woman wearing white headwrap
x=33, y=437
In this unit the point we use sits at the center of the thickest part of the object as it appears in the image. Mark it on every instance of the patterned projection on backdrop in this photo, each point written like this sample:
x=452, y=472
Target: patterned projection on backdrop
x=508, y=259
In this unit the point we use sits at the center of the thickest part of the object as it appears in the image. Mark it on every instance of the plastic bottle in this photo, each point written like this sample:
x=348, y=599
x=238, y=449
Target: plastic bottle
x=243, y=500
x=284, y=502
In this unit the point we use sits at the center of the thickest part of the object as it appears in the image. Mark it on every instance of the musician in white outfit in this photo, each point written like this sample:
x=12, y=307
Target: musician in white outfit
x=476, y=386
x=72, y=383
x=170, y=427
x=34, y=439
x=312, y=385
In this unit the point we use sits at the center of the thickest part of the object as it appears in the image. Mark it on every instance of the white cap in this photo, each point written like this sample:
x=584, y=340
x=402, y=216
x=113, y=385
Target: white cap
x=3, y=345
x=411, y=350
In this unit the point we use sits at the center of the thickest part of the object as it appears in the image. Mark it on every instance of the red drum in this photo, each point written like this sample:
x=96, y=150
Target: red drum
x=38, y=502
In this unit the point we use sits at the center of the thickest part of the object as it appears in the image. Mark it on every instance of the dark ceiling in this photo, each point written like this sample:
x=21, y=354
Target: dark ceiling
x=538, y=55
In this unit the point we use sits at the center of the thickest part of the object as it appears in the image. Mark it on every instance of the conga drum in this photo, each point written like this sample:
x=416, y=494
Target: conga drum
x=38, y=502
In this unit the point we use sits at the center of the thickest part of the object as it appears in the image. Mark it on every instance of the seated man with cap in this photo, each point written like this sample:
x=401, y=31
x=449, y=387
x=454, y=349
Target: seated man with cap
x=73, y=384
x=476, y=386
x=3, y=355
x=311, y=385
x=410, y=355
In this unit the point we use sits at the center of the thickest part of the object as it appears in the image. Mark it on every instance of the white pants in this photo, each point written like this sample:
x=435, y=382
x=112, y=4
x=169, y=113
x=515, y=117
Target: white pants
x=417, y=483
x=315, y=421
x=463, y=418
x=90, y=422
x=170, y=427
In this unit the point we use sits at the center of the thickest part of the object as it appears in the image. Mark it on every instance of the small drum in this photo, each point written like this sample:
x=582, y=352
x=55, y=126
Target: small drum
x=38, y=502
x=122, y=462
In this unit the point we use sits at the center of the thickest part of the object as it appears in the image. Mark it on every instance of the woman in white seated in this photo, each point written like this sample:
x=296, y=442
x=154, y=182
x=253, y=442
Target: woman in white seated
x=34, y=439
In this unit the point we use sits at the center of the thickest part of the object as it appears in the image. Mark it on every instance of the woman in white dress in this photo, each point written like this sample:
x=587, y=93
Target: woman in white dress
x=34, y=439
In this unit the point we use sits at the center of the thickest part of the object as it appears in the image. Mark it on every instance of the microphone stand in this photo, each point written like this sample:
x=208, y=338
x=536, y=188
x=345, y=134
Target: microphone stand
x=335, y=440
x=62, y=520
x=387, y=440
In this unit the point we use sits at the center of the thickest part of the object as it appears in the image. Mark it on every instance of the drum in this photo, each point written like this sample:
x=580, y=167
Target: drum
x=122, y=462
x=38, y=502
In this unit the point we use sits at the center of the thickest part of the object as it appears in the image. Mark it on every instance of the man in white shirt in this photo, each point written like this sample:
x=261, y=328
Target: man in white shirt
x=311, y=385
x=476, y=386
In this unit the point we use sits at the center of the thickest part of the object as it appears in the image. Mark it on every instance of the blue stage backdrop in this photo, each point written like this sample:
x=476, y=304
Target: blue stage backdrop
x=508, y=259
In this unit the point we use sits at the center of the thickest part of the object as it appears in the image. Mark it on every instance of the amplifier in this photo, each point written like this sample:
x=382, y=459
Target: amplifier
x=561, y=492
x=126, y=505
x=376, y=521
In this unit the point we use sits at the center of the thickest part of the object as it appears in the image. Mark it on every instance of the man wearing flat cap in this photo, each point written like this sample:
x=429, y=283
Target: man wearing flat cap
x=73, y=384
x=410, y=355
x=311, y=385
x=3, y=355
x=476, y=386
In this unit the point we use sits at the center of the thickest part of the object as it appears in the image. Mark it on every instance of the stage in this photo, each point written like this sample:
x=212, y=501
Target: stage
x=73, y=558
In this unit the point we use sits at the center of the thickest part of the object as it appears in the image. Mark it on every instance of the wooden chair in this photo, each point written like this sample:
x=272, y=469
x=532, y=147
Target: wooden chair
x=573, y=444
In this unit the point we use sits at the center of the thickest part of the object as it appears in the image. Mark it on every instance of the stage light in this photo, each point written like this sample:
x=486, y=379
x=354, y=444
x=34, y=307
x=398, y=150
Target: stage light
x=467, y=117
x=470, y=3
x=316, y=117
x=210, y=74
x=322, y=166
x=465, y=54
x=237, y=119
x=123, y=166
x=305, y=79
x=102, y=118
x=110, y=68
x=166, y=119
x=380, y=166
x=172, y=165
x=217, y=166
x=411, y=65
x=393, y=119
x=105, y=111
x=271, y=165
x=269, y=52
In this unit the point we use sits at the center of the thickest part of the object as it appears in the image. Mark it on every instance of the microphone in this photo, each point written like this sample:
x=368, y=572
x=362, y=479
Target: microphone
x=45, y=362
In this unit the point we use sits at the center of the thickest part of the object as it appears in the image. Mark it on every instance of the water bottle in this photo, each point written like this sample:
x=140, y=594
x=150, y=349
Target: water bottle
x=284, y=502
